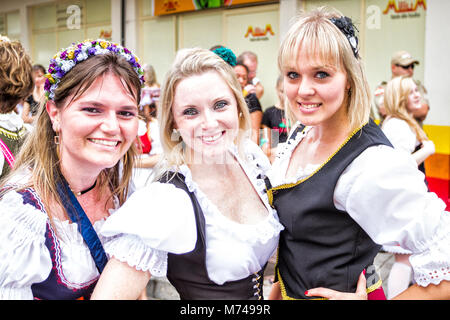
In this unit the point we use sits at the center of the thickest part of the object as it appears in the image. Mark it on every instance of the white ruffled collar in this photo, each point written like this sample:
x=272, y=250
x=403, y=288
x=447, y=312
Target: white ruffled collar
x=11, y=121
x=67, y=231
x=284, y=153
x=261, y=232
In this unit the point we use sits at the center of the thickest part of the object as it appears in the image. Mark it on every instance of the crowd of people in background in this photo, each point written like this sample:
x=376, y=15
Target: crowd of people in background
x=102, y=145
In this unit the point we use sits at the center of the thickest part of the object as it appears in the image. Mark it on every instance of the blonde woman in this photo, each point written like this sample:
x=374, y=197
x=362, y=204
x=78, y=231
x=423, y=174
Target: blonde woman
x=72, y=170
x=340, y=189
x=208, y=225
x=149, y=94
x=401, y=99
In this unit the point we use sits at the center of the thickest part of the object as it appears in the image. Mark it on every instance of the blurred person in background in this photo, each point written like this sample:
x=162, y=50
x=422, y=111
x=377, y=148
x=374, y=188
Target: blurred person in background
x=16, y=85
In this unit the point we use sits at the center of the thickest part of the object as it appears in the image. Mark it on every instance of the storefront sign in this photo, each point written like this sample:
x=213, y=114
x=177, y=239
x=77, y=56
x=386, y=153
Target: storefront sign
x=259, y=34
x=164, y=7
x=404, y=9
x=105, y=34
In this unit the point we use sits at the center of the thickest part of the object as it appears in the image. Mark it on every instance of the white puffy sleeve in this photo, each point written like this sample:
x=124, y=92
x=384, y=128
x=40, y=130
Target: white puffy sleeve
x=24, y=258
x=155, y=220
x=400, y=134
x=385, y=193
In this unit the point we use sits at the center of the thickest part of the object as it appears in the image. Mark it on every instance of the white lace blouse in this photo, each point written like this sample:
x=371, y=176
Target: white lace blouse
x=24, y=258
x=159, y=218
x=384, y=192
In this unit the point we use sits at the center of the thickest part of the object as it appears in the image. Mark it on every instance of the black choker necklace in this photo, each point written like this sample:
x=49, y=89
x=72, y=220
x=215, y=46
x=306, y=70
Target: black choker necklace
x=86, y=190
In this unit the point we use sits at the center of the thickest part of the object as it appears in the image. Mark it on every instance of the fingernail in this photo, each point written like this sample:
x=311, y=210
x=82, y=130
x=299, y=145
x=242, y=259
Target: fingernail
x=306, y=292
x=364, y=272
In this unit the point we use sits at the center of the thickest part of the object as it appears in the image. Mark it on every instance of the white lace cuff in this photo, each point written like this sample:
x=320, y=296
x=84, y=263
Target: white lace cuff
x=432, y=264
x=132, y=250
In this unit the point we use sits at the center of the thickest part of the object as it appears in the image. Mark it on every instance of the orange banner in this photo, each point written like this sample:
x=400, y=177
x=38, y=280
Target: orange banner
x=163, y=7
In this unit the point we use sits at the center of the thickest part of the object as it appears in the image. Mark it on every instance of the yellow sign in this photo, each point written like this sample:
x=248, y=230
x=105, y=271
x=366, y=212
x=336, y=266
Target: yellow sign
x=257, y=33
x=404, y=6
x=163, y=7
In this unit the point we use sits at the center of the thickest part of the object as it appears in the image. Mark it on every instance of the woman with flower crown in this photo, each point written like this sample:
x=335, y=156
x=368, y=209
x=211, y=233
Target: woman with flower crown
x=72, y=172
x=340, y=189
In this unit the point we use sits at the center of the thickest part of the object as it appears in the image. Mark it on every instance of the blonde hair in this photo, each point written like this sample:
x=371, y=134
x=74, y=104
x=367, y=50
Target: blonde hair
x=187, y=63
x=39, y=152
x=314, y=33
x=396, y=103
x=16, y=82
x=150, y=76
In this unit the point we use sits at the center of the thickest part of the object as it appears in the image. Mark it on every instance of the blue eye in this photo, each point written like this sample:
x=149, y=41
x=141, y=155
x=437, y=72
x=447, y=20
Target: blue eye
x=190, y=112
x=220, y=104
x=322, y=75
x=292, y=75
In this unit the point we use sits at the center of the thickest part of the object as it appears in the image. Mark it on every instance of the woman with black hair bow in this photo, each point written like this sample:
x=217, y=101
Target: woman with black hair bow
x=340, y=189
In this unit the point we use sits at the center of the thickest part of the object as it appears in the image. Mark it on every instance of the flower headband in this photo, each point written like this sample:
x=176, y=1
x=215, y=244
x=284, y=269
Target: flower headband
x=227, y=55
x=347, y=27
x=66, y=59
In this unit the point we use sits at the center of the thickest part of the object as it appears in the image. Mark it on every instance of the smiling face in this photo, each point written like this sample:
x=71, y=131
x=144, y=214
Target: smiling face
x=414, y=99
x=98, y=127
x=206, y=114
x=316, y=91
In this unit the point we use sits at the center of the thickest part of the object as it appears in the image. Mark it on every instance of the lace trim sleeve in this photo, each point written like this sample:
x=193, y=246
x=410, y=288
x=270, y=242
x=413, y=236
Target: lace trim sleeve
x=432, y=264
x=385, y=194
x=132, y=250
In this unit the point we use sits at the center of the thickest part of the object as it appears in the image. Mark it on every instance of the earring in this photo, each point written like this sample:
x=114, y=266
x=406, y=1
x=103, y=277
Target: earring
x=56, y=139
x=175, y=135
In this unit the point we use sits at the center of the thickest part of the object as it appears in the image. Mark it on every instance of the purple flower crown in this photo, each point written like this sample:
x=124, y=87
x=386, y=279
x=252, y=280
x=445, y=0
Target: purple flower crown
x=66, y=59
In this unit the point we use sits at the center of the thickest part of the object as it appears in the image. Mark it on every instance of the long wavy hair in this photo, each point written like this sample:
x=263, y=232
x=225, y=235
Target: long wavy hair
x=396, y=103
x=39, y=154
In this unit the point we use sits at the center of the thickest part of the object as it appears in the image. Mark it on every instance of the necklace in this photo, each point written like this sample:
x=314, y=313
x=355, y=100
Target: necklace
x=86, y=190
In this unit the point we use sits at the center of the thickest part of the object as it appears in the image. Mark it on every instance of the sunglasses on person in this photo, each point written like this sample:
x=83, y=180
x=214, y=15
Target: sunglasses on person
x=406, y=67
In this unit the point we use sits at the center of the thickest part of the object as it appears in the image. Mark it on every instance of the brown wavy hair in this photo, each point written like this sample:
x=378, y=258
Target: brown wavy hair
x=16, y=82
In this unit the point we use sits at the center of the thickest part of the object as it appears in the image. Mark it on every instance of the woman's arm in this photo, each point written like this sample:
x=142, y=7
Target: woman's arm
x=119, y=281
x=427, y=150
x=430, y=292
x=275, y=292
